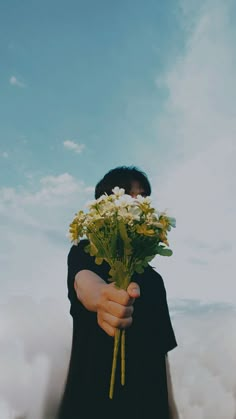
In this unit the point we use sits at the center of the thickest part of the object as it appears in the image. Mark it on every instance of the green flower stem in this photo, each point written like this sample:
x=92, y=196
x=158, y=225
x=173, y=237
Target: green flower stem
x=119, y=340
x=123, y=357
x=114, y=362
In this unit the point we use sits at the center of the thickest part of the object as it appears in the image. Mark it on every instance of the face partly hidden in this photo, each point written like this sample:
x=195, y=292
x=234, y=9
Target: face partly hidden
x=136, y=189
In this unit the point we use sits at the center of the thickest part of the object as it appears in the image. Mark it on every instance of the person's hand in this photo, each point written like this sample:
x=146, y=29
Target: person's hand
x=115, y=307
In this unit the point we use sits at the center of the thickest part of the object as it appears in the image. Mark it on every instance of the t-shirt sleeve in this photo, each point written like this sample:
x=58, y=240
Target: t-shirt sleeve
x=77, y=260
x=169, y=341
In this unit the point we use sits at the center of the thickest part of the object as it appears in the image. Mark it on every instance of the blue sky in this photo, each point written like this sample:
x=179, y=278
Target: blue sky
x=86, y=86
x=88, y=74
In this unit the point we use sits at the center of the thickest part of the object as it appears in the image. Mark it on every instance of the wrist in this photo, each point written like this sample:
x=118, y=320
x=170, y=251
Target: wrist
x=88, y=287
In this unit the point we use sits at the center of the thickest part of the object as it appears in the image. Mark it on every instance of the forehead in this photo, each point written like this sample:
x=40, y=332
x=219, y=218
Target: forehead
x=136, y=187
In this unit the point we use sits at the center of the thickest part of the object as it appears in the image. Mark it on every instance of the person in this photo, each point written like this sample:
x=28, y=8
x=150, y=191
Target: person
x=98, y=308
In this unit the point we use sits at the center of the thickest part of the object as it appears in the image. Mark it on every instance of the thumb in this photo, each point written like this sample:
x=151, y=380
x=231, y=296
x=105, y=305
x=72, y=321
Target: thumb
x=133, y=290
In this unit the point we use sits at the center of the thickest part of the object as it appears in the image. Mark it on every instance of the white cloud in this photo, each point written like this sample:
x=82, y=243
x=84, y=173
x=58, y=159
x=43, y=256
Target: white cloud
x=15, y=82
x=198, y=185
x=199, y=368
x=33, y=259
x=37, y=220
x=201, y=83
x=51, y=205
x=71, y=145
x=200, y=195
x=32, y=354
x=202, y=365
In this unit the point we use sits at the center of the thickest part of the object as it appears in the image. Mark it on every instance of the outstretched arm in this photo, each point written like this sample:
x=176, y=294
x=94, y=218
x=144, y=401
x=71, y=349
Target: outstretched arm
x=173, y=412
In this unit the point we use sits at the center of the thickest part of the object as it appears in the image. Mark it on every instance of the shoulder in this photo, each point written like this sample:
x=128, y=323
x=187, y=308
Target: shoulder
x=78, y=249
x=156, y=276
x=79, y=259
x=151, y=283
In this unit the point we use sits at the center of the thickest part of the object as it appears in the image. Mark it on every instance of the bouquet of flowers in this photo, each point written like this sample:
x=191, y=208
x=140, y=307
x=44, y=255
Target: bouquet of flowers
x=127, y=233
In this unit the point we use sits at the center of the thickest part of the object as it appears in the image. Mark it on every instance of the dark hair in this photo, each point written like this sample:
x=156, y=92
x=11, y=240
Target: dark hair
x=123, y=177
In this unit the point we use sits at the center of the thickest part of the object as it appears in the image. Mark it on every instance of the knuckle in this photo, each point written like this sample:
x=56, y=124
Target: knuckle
x=123, y=297
x=99, y=321
x=99, y=305
x=107, y=330
x=104, y=293
x=126, y=299
x=100, y=310
x=125, y=312
x=128, y=322
x=112, y=332
x=116, y=322
x=122, y=312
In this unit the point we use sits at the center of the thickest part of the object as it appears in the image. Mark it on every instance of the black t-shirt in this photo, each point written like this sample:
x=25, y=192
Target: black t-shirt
x=148, y=339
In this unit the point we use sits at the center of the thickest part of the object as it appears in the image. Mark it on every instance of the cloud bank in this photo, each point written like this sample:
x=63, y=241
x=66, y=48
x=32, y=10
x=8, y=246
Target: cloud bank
x=34, y=359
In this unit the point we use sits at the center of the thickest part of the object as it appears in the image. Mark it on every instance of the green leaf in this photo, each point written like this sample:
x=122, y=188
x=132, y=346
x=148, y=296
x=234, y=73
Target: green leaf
x=149, y=258
x=87, y=248
x=139, y=269
x=163, y=251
